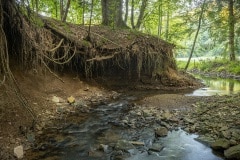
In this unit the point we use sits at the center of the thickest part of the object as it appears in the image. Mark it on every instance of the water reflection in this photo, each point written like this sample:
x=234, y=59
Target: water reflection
x=217, y=86
x=181, y=146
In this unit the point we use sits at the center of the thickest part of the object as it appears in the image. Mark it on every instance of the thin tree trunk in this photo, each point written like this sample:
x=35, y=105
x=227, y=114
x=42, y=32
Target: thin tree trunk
x=37, y=8
x=56, y=8
x=132, y=15
x=141, y=15
x=66, y=11
x=167, y=24
x=160, y=19
x=126, y=12
x=83, y=12
x=231, y=30
x=195, y=39
x=61, y=9
x=89, y=27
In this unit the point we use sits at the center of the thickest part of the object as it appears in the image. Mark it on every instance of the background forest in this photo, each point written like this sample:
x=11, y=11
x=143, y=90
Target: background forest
x=176, y=21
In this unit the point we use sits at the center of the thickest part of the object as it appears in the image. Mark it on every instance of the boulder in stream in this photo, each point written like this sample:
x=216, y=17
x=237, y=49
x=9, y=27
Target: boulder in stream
x=161, y=132
x=220, y=144
x=233, y=152
x=124, y=145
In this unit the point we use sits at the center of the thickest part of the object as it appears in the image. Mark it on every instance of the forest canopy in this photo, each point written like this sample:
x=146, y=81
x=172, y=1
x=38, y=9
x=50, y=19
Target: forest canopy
x=175, y=21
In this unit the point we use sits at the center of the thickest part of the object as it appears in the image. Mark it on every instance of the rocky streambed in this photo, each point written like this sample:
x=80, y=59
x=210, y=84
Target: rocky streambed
x=154, y=127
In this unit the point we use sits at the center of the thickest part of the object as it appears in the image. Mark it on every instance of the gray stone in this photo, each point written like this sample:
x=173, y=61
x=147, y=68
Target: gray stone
x=124, y=145
x=188, y=120
x=226, y=134
x=104, y=148
x=156, y=147
x=220, y=144
x=233, y=152
x=205, y=139
x=18, y=152
x=161, y=131
x=146, y=113
x=167, y=115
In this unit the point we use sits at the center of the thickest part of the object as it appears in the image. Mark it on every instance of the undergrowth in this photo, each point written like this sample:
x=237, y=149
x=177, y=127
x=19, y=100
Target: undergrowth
x=212, y=65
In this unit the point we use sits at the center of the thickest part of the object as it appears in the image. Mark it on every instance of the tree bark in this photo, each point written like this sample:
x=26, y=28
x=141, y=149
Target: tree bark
x=132, y=15
x=160, y=19
x=196, y=35
x=141, y=15
x=126, y=12
x=167, y=23
x=61, y=9
x=112, y=13
x=66, y=11
x=231, y=30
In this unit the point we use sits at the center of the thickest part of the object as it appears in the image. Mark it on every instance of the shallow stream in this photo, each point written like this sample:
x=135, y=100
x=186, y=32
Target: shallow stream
x=106, y=134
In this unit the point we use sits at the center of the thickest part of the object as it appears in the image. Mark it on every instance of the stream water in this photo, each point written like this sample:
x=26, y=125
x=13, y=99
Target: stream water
x=103, y=130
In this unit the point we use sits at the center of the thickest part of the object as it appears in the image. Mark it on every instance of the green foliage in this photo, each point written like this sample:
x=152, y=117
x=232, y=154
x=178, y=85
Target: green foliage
x=179, y=29
x=216, y=65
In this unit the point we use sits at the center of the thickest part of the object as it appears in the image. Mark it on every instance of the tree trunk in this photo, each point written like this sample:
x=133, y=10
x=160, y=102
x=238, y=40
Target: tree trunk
x=141, y=15
x=66, y=11
x=37, y=7
x=196, y=35
x=83, y=12
x=231, y=30
x=132, y=15
x=160, y=19
x=112, y=13
x=119, y=19
x=56, y=8
x=61, y=9
x=167, y=22
x=126, y=12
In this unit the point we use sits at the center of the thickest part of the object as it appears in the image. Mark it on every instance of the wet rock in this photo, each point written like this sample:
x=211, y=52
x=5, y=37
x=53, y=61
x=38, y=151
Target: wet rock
x=161, y=132
x=165, y=124
x=205, y=139
x=233, y=152
x=18, y=152
x=124, y=145
x=220, y=144
x=156, y=147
